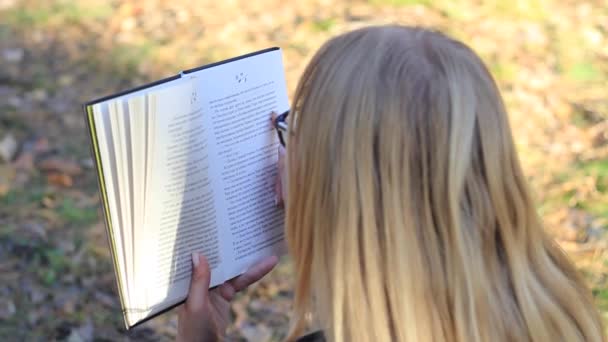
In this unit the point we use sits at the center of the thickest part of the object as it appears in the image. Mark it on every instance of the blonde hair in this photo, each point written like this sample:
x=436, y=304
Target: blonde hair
x=409, y=218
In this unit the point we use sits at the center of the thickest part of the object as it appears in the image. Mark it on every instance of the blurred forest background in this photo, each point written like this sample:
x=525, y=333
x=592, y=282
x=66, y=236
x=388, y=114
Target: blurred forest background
x=550, y=58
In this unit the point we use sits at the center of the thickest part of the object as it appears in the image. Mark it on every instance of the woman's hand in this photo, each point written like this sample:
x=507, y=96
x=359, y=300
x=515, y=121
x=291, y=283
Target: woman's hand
x=205, y=315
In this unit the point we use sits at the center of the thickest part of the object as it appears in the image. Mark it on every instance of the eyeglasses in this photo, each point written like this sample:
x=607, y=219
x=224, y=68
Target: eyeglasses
x=280, y=124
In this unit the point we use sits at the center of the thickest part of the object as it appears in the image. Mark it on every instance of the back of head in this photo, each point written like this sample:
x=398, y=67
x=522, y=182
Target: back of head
x=409, y=218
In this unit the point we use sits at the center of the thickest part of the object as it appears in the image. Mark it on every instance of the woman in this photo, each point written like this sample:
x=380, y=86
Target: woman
x=416, y=223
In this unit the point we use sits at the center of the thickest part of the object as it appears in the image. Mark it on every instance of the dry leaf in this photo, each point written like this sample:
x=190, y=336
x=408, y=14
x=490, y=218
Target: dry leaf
x=8, y=148
x=60, y=179
x=56, y=164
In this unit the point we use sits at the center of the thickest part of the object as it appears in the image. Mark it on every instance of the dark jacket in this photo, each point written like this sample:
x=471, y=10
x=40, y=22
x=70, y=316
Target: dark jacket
x=316, y=336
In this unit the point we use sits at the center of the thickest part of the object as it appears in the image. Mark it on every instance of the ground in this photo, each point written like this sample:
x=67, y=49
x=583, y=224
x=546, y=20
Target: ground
x=549, y=57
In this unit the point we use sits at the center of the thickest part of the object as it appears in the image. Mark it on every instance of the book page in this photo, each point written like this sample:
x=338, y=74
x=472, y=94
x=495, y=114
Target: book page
x=139, y=147
x=120, y=133
x=108, y=159
x=179, y=210
x=239, y=97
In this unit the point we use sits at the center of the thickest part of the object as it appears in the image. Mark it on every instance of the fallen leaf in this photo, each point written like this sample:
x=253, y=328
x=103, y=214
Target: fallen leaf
x=239, y=308
x=105, y=299
x=41, y=145
x=36, y=295
x=8, y=148
x=48, y=215
x=14, y=55
x=82, y=333
x=7, y=309
x=56, y=164
x=87, y=163
x=60, y=179
x=256, y=332
x=24, y=162
x=574, y=226
x=34, y=230
x=67, y=300
x=7, y=176
x=4, y=188
x=34, y=316
x=7, y=265
x=49, y=202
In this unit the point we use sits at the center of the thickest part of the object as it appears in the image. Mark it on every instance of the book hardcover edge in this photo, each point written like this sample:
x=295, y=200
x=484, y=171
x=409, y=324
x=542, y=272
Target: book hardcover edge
x=169, y=308
x=132, y=90
x=229, y=60
x=176, y=77
x=88, y=110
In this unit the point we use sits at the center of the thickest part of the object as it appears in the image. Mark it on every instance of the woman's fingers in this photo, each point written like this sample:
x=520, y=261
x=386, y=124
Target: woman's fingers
x=227, y=291
x=273, y=117
x=282, y=187
x=255, y=273
x=199, y=284
x=278, y=184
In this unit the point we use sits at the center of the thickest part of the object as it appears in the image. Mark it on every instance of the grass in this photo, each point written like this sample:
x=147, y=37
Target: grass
x=504, y=70
x=324, y=25
x=601, y=298
x=50, y=263
x=583, y=72
x=18, y=197
x=130, y=56
x=30, y=200
x=58, y=12
x=595, y=200
x=598, y=203
x=70, y=212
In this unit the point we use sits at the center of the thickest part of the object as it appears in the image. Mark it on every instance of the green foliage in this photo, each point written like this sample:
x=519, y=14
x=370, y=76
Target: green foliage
x=324, y=25
x=599, y=171
x=573, y=57
x=401, y=2
x=57, y=12
x=5, y=32
x=52, y=263
x=10, y=198
x=504, y=71
x=7, y=232
x=595, y=203
x=77, y=215
x=18, y=196
x=127, y=58
x=601, y=298
x=583, y=71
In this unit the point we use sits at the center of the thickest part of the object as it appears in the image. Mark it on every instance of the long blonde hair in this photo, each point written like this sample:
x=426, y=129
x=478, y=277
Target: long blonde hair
x=409, y=217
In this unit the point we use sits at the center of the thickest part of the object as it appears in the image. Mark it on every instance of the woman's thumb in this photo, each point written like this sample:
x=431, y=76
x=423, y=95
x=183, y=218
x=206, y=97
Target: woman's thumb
x=199, y=285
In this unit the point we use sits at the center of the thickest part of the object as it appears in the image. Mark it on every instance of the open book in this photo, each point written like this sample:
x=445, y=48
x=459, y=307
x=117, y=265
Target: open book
x=188, y=164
